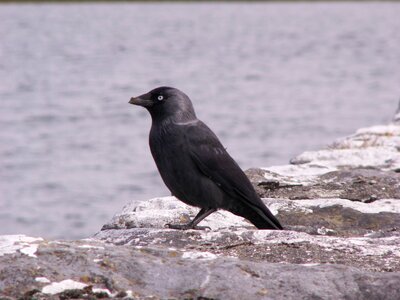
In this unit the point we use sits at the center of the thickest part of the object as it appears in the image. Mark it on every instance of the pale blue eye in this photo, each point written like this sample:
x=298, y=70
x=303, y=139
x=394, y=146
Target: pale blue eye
x=160, y=98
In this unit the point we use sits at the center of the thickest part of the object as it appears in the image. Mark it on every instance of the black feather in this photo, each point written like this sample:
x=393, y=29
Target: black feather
x=193, y=163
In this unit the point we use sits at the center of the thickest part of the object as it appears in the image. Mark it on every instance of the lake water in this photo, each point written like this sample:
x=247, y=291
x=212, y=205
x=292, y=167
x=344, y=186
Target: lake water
x=271, y=79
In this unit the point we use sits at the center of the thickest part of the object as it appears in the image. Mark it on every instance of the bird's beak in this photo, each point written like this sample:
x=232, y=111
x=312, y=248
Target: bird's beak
x=142, y=100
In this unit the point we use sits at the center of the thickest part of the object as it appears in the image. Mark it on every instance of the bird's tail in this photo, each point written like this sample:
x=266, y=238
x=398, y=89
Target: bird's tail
x=261, y=217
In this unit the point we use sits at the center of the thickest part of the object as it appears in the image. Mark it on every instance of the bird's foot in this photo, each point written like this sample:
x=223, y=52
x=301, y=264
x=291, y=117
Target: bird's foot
x=186, y=227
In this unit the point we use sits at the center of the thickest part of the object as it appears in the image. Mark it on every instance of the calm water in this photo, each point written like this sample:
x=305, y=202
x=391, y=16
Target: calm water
x=272, y=80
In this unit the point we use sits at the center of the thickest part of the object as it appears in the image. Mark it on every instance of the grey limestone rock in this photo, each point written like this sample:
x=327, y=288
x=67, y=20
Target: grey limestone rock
x=90, y=269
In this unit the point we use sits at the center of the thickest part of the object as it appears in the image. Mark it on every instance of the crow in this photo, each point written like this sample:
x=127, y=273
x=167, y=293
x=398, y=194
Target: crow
x=194, y=165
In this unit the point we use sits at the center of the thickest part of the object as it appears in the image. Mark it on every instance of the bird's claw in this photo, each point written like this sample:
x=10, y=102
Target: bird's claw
x=202, y=227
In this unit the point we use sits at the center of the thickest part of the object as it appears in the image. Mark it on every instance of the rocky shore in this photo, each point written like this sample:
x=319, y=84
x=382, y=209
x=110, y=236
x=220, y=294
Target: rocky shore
x=340, y=207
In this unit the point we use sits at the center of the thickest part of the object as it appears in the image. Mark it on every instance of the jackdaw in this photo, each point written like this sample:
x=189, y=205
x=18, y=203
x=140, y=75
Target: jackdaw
x=194, y=165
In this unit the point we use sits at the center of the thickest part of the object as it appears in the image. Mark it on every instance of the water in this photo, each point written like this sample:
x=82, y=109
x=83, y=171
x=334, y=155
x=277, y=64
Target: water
x=271, y=79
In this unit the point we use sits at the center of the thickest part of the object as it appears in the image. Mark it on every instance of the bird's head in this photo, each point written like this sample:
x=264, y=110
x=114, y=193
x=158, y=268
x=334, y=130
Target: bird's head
x=166, y=102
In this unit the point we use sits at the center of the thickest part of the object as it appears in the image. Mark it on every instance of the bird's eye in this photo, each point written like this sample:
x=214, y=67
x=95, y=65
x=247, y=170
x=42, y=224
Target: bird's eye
x=160, y=98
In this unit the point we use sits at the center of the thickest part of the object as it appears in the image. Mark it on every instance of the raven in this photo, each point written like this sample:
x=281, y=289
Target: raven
x=194, y=165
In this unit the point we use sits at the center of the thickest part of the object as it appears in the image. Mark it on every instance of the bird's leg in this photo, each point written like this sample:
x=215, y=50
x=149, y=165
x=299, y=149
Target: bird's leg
x=203, y=213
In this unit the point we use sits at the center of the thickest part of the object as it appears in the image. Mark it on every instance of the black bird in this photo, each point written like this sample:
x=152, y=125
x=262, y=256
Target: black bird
x=194, y=165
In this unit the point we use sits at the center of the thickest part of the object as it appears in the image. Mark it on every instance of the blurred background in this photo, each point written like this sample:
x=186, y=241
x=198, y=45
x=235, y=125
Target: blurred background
x=271, y=79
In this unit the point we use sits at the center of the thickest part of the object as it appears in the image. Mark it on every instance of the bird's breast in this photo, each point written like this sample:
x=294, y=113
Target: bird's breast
x=169, y=151
x=173, y=160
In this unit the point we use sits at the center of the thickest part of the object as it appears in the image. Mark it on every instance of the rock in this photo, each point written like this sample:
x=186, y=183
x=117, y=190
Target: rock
x=339, y=216
x=341, y=212
x=317, y=228
x=358, y=184
x=90, y=269
x=363, y=167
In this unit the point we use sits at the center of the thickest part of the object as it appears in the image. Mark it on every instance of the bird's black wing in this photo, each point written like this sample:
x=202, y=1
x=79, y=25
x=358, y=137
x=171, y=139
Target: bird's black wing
x=213, y=161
